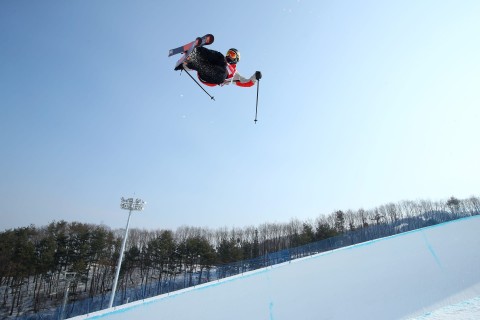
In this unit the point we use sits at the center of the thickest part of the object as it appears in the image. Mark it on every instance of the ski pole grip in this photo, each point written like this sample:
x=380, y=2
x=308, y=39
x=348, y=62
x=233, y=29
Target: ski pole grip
x=258, y=75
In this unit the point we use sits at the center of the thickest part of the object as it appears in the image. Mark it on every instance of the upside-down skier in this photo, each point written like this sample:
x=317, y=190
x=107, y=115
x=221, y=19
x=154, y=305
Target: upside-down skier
x=213, y=68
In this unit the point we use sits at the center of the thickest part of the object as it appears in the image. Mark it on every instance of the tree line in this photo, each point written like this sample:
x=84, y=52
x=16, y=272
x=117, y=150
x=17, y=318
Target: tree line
x=35, y=261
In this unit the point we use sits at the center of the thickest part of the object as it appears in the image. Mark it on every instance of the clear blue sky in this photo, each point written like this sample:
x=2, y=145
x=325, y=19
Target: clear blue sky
x=361, y=104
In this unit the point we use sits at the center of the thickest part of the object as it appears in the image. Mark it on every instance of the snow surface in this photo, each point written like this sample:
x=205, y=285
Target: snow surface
x=465, y=310
x=427, y=274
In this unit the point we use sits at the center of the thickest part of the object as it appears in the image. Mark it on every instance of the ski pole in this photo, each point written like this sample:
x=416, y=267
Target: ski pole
x=256, y=106
x=211, y=97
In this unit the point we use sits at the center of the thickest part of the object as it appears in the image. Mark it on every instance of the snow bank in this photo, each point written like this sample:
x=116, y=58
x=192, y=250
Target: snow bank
x=465, y=310
x=399, y=277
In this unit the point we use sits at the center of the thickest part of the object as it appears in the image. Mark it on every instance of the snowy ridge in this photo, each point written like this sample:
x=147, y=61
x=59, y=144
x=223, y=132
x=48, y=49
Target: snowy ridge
x=465, y=310
x=430, y=274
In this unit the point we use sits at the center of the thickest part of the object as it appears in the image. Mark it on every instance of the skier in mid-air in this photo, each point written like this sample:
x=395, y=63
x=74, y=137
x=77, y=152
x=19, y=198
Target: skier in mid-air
x=213, y=68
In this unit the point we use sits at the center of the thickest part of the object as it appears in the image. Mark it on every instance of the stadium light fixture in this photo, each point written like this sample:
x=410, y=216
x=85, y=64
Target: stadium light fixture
x=129, y=204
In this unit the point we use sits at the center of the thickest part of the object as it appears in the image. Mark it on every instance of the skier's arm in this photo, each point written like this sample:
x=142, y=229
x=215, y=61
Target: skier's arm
x=241, y=81
x=244, y=82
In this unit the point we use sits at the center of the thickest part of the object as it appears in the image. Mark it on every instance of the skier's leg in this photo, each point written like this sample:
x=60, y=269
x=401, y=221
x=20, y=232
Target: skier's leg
x=216, y=58
x=213, y=74
x=201, y=55
x=210, y=64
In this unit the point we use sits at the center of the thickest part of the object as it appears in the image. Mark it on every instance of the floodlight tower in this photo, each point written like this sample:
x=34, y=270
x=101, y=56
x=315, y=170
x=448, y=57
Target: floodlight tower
x=129, y=204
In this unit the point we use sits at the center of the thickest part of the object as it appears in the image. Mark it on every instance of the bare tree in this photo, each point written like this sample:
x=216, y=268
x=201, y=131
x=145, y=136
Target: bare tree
x=350, y=220
x=376, y=216
x=362, y=218
x=392, y=212
x=473, y=205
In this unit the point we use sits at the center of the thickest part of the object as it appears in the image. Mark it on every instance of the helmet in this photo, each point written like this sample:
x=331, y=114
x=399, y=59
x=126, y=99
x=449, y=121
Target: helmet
x=232, y=56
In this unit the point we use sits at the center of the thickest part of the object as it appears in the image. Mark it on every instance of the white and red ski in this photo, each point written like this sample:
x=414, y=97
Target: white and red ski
x=188, y=48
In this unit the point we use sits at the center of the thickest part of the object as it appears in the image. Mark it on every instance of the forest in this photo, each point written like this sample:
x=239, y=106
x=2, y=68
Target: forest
x=39, y=264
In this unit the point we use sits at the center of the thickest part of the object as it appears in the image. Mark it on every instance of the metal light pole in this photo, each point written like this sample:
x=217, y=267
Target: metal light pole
x=69, y=277
x=131, y=205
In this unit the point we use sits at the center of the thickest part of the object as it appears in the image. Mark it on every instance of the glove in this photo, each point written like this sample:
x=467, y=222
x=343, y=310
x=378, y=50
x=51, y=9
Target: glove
x=258, y=75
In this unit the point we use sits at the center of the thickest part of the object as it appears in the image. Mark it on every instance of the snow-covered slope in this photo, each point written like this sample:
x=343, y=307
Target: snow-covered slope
x=399, y=277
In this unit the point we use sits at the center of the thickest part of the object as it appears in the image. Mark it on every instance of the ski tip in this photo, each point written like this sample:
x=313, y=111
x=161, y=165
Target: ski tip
x=209, y=38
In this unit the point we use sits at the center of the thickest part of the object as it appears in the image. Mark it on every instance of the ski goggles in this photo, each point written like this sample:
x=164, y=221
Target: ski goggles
x=232, y=54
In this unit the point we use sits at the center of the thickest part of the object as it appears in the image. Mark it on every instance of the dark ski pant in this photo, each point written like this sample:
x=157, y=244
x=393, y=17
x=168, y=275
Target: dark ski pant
x=210, y=65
